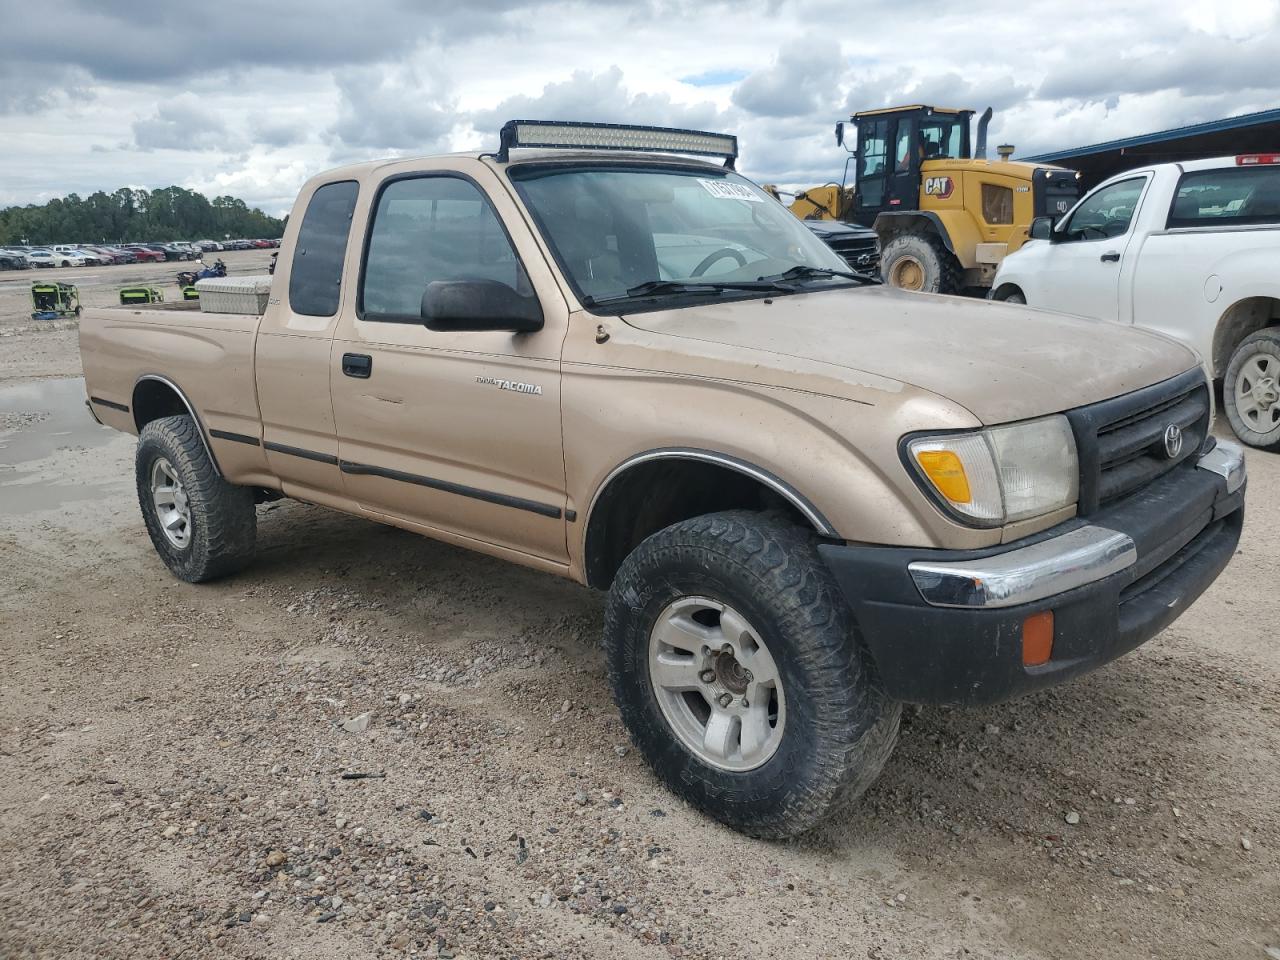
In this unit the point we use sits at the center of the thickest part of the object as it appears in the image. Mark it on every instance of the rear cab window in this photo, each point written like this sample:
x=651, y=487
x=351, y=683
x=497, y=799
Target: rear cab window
x=315, y=278
x=1227, y=197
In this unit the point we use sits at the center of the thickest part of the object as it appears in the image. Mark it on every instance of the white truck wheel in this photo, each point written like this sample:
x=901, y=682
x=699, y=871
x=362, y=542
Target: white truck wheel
x=1251, y=390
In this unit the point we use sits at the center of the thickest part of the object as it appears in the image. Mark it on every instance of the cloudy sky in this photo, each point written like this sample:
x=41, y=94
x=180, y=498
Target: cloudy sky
x=251, y=98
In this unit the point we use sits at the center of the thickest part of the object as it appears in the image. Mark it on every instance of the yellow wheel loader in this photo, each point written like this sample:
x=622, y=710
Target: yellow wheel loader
x=945, y=214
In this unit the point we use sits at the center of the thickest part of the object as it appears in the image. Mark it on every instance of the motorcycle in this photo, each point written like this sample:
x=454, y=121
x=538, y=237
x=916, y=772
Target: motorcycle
x=188, y=278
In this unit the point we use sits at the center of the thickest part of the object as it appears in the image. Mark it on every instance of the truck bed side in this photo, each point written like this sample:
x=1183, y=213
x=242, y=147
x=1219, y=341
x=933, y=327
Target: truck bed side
x=140, y=363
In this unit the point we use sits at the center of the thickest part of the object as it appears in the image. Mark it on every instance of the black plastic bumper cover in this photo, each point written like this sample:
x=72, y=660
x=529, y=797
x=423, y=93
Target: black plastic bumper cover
x=1185, y=527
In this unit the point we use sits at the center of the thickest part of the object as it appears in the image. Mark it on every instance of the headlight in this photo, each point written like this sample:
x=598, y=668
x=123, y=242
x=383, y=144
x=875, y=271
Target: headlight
x=1001, y=474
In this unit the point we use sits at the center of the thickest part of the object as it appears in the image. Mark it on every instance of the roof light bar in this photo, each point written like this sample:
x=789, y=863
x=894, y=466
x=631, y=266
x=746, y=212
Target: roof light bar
x=1254, y=159
x=562, y=135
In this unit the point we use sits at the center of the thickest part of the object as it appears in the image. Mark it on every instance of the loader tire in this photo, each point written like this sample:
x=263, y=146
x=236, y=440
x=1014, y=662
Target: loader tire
x=202, y=526
x=914, y=261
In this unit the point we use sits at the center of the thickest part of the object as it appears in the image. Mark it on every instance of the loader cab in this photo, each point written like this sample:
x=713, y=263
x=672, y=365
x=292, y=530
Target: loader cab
x=891, y=146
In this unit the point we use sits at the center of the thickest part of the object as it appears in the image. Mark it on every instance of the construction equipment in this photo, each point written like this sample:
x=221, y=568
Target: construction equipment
x=945, y=214
x=52, y=300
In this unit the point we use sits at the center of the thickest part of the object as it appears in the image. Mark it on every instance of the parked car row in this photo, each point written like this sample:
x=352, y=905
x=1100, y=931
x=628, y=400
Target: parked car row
x=209, y=246
x=93, y=255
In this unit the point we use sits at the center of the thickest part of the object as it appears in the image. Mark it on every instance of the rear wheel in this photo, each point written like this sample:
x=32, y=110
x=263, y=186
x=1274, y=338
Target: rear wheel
x=913, y=261
x=1251, y=390
x=202, y=526
x=740, y=675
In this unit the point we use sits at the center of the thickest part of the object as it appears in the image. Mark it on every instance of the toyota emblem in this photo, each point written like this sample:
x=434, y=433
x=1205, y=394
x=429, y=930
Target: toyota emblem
x=1172, y=441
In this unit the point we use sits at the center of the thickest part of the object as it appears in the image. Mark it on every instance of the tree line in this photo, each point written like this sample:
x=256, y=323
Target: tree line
x=128, y=215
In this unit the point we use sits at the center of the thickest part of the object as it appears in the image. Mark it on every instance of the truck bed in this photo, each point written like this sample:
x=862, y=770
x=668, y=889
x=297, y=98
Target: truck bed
x=206, y=358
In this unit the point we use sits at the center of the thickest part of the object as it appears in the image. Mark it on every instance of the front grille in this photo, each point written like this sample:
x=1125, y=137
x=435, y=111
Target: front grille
x=860, y=253
x=1121, y=441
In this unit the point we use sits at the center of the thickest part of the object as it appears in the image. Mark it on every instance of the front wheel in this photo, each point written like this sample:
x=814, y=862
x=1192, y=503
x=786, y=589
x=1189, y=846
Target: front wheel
x=202, y=526
x=1251, y=390
x=740, y=675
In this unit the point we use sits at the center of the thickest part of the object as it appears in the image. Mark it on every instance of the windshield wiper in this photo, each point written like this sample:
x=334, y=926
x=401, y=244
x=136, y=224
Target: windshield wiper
x=804, y=272
x=695, y=287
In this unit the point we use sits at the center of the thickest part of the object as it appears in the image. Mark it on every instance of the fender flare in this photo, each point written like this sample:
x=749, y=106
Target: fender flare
x=204, y=435
x=779, y=486
x=891, y=221
x=1235, y=323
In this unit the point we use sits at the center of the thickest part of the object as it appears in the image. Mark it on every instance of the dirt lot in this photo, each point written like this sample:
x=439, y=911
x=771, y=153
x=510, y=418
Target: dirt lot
x=172, y=757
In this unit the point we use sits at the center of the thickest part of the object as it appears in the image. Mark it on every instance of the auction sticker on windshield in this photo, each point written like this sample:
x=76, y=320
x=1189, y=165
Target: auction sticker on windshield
x=728, y=190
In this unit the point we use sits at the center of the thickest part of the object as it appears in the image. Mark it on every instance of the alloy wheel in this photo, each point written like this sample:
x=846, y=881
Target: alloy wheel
x=716, y=683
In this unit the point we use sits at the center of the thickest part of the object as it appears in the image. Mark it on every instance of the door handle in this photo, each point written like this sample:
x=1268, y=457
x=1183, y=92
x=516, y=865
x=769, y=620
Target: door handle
x=358, y=365
x=1111, y=256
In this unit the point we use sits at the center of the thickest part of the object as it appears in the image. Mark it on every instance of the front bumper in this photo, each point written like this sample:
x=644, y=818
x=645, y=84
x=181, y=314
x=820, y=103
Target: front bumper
x=946, y=627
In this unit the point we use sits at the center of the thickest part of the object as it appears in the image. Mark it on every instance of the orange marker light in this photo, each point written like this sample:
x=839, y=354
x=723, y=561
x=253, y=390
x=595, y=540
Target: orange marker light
x=1037, y=639
x=946, y=471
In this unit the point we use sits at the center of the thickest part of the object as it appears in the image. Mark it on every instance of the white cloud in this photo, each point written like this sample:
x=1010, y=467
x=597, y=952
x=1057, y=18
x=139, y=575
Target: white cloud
x=183, y=124
x=803, y=78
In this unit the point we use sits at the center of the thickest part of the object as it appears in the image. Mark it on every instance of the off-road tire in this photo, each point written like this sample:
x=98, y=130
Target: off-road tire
x=942, y=274
x=223, y=518
x=1263, y=342
x=840, y=725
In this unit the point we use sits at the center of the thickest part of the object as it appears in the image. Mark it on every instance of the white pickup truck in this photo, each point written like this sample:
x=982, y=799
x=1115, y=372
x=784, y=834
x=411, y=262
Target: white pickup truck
x=1191, y=250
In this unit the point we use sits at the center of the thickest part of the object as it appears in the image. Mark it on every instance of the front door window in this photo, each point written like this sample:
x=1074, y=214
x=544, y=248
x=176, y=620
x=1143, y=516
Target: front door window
x=1105, y=213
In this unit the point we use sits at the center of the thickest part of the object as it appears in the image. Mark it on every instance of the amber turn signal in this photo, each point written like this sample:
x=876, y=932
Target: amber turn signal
x=1037, y=639
x=946, y=470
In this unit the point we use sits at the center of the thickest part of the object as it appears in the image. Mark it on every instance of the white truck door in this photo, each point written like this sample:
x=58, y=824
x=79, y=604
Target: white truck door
x=1080, y=272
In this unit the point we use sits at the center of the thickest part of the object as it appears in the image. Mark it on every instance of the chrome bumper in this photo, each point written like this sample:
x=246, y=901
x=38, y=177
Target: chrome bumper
x=1052, y=566
x=1227, y=461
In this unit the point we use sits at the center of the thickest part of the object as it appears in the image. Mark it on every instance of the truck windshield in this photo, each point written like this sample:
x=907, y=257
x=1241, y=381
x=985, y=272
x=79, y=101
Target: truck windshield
x=659, y=231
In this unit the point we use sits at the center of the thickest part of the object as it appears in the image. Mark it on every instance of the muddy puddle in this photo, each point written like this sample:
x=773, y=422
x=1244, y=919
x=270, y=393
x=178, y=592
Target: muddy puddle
x=38, y=420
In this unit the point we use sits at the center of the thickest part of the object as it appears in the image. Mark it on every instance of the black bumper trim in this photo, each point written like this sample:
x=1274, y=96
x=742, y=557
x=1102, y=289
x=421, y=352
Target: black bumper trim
x=1185, y=526
x=110, y=404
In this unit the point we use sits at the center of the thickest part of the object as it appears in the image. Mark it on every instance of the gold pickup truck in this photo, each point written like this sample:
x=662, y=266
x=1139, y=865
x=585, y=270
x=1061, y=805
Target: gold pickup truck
x=600, y=354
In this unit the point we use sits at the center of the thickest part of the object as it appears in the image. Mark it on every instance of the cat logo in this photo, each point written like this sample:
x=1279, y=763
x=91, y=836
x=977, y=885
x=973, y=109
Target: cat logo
x=940, y=187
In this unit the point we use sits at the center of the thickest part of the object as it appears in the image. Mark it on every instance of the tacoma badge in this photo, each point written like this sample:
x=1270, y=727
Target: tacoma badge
x=530, y=388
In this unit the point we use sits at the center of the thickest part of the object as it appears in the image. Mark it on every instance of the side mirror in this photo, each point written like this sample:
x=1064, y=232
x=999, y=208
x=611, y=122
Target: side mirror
x=840, y=134
x=456, y=305
x=1041, y=228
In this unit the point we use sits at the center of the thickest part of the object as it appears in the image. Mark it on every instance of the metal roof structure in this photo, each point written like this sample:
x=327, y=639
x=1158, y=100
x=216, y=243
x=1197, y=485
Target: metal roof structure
x=1248, y=133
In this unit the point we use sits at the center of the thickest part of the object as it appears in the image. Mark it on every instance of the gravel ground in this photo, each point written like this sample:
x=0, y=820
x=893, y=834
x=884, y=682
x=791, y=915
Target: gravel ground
x=371, y=744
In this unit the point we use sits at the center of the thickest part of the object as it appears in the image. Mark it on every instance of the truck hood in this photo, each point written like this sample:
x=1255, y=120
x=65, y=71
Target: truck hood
x=1002, y=362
